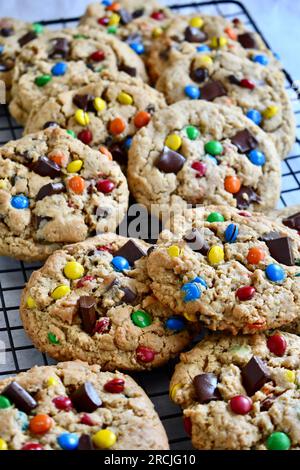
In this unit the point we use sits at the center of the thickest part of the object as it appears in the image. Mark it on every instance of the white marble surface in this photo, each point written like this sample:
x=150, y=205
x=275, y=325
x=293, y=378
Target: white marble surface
x=278, y=19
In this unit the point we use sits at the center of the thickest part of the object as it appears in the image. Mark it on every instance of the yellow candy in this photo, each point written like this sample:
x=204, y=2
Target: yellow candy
x=196, y=22
x=74, y=166
x=173, y=141
x=3, y=444
x=114, y=20
x=99, y=104
x=204, y=60
x=270, y=112
x=190, y=317
x=218, y=42
x=60, y=292
x=2, y=184
x=216, y=255
x=82, y=118
x=104, y=439
x=174, y=390
x=290, y=376
x=31, y=303
x=157, y=32
x=174, y=251
x=52, y=382
x=73, y=270
x=125, y=98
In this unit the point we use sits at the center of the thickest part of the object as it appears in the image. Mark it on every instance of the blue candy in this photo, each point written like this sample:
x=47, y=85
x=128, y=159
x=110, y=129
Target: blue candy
x=59, y=69
x=192, y=92
x=231, y=233
x=120, y=264
x=20, y=202
x=191, y=292
x=257, y=158
x=212, y=158
x=200, y=280
x=275, y=273
x=261, y=59
x=138, y=47
x=22, y=420
x=175, y=324
x=68, y=441
x=128, y=143
x=1, y=49
x=277, y=56
x=107, y=3
x=255, y=116
x=203, y=48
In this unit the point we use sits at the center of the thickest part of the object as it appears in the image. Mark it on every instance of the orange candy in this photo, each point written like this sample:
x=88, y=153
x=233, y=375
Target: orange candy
x=142, y=119
x=58, y=157
x=255, y=255
x=231, y=34
x=76, y=184
x=117, y=126
x=40, y=424
x=232, y=184
x=113, y=7
x=106, y=152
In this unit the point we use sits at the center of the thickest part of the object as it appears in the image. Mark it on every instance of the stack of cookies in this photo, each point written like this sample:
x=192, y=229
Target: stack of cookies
x=189, y=115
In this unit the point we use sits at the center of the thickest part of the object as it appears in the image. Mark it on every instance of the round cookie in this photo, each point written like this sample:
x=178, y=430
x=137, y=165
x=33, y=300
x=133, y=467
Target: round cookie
x=241, y=393
x=117, y=106
x=60, y=61
x=93, y=300
x=56, y=190
x=74, y=406
x=192, y=151
x=223, y=77
x=14, y=35
x=230, y=269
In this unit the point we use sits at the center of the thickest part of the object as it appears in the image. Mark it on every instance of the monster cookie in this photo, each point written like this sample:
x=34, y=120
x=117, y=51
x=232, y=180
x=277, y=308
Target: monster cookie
x=14, y=34
x=198, y=152
x=225, y=78
x=93, y=300
x=55, y=190
x=231, y=269
x=108, y=112
x=289, y=216
x=73, y=406
x=59, y=61
x=241, y=393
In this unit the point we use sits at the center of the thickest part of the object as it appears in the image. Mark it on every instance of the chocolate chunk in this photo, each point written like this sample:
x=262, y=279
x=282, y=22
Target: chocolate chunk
x=246, y=196
x=49, y=190
x=269, y=236
x=85, y=442
x=119, y=154
x=60, y=48
x=199, y=75
x=170, y=161
x=138, y=13
x=85, y=398
x=244, y=141
x=254, y=375
x=84, y=102
x=20, y=397
x=196, y=241
x=27, y=38
x=50, y=124
x=247, y=40
x=267, y=403
x=194, y=35
x=206, y=387
x=281, y=250
x=234, y=80
x=149, y=251
x=45, y=167
x=129, y=296
x=293, y=221
x=125, y=16
x=127, y=69
x=131, y=251
x=39, y=221
x=6, y=32
x=87, y=313
x=212, y=90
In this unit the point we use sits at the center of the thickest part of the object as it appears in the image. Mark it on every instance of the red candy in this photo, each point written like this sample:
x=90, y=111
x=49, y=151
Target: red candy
x=145, y=354
x=97, y=56
x=158, y=15
x=83, y=280
x=103, y=21
x=32, y=446
x=62, y=403
x=105, y=248
x=85, y=136
x=277, y=344
x=115, y=386
x=241, y=405
x=105, y=186
x=245, y=293
x=187, y=424
x=86, y=419
x=200, y=167
x=102, y=325
x=245, y=83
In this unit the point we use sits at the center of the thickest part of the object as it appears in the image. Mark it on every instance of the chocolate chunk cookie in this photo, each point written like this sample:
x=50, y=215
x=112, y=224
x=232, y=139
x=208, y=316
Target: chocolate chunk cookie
x=60, y=61
x=93, y=301
x=241, y=393
x=231, y=269
x=73, y=406
x=56, y=190
x=198, y=152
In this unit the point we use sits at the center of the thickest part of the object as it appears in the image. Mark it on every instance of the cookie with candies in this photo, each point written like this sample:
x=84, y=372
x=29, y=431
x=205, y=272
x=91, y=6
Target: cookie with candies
x=228, y=268
x=74, y=406
x=240, y=393
x=93, y=301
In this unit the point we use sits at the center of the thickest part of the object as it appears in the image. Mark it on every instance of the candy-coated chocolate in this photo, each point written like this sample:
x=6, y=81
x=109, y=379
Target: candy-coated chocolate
x=278, y=441
x=257, y=158
x=125, y=98
x=137, y=47
x=104, y=439
x=255, y=255
x=74, y=166
x=192, y=92
x=68, y=441
x=120, y=264
x=42, y=80
x=141, y=318
x=173, y=141
x=62, y=403
x=215, y=217
x=60, y=292
x=99, y=104
x=3, y=444
x=144, y=354
x=40, y=424
x=275, y=273
x=115, y=386
x=213, y=147
x=4, y=402
x=105, y=186
x=32, y=446
x=232, y=184
x=191, y=292
x=174, y=251
x=76, y=184
x=141, y=119
x=59, y=69
x=255, y=116
x=19, y=202
x=241, y=404
x=175, y=323
x=73, y=270
x=277, y=344
x=216, y=255
x=82, y=118
x=192, y=132
x=245, y=293
x=200, y=168
x=231, y=233
x=86, y=136
x=30, y=302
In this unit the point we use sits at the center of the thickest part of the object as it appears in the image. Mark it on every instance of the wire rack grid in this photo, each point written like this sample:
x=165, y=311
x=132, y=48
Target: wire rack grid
x=16, y=351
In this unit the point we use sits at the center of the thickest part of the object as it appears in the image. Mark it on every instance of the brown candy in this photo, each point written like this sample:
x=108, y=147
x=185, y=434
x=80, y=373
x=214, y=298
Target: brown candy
x=254, y=375
x=87, y=313
x=85, y=398
x=206, y=387
x=170, y=161
x=131, y=251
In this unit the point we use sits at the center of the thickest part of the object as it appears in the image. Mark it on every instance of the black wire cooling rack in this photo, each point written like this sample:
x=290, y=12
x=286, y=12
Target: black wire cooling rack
x=16, y=351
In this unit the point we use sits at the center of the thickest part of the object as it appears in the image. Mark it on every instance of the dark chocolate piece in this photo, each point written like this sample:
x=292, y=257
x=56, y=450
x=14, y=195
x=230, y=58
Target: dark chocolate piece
x=212, y=90
x=27, y=38
x=84, y=102
x=293, y=221
x=61, y=47
x=85, y=398
x=281, y=250
x=6, y=32
x=194, y=35
x=129, y=296
x=131, y=251
x=170, y=161
x=254, y=375
x=244, y=141
x=46, y=167
x=196, y=241
x=247, y=40
x=206, y=388
x=20, y=397
x=49, y=190
x=246, y=196
x=127, y=69
x=125, y=16
x=199, y=75
x=85, y=442
x=87, y=313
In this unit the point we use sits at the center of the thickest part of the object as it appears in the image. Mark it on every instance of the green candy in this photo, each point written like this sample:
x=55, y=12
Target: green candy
x=80, y=36
x=52, y=338
x=141, y=319
x=213, y=147
x=215, y=217
x=192, y=132
x=278, y=441
x=38, y=28
x=112, y=29
x=4, y=402
x=42, y=80
x=72, y=133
